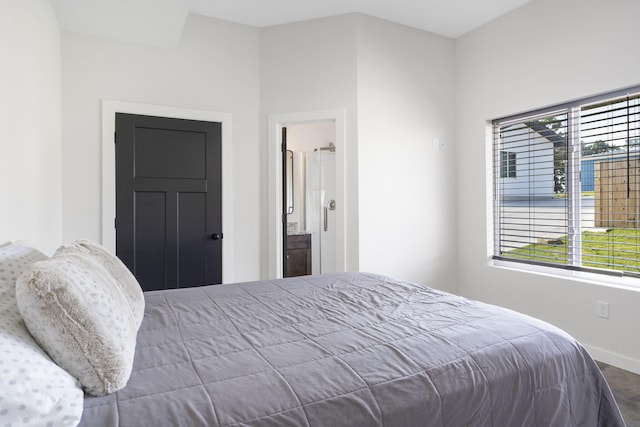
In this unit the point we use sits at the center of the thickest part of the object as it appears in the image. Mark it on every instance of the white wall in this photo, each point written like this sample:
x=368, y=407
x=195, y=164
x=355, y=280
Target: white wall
x=407, y=188
x=30, y=180
x=305, y=67
x=214, y=67
x=542, y=53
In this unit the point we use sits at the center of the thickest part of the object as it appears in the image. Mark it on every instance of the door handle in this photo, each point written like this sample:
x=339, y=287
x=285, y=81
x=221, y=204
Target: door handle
x=331, y=207
x=216, y=236
x=326, y=219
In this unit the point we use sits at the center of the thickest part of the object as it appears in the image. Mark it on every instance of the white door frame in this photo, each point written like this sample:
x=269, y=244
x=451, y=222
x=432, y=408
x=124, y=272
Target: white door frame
x=109, y=110
x=274, y=140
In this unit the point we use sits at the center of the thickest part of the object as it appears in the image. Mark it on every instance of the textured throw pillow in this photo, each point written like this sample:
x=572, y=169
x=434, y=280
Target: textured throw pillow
x=34, y=391
x=128, y=283
x=79, y=315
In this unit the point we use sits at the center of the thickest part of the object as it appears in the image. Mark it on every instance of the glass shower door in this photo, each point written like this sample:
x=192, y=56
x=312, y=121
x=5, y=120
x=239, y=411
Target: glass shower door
x=321, y=209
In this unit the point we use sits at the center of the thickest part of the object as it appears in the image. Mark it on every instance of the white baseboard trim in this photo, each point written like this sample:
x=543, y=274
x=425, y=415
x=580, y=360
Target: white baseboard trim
x=614, y=359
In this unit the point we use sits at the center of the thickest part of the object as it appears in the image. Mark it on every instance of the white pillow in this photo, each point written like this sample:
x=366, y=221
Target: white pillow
x=34, y=391
x=79, y=315
x=128, y=283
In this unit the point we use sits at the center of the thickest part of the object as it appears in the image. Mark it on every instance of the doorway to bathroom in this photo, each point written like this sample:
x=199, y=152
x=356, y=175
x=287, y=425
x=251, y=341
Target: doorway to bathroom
x=301, y=208
x=309, y=204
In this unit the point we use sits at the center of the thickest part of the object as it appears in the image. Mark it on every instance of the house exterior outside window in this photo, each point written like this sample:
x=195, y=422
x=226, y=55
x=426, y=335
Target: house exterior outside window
x=507, y=164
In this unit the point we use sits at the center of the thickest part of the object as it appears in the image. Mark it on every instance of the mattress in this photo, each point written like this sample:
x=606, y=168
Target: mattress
x=349, y=349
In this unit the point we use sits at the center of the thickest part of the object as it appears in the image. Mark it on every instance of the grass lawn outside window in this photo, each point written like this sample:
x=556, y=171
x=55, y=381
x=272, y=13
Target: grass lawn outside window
x=613, y=249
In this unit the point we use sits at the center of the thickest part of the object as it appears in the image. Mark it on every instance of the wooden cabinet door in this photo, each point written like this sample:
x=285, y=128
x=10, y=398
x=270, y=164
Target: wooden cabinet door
x=298, y=255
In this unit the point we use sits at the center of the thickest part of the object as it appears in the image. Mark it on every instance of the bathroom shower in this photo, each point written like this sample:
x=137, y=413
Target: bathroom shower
x=321, y=207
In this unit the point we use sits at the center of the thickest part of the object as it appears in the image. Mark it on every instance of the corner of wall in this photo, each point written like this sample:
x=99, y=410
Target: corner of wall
x=30, y=123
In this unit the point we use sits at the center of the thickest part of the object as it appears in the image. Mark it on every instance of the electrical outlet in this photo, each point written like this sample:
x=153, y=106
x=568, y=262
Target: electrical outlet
x=602, y=309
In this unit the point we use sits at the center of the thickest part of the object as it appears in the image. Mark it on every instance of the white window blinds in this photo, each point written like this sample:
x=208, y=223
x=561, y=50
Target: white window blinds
x=567, y=185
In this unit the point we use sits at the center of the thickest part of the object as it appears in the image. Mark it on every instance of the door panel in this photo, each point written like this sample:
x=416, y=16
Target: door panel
x=150, y=220
x=192, y=252
x=163, y=153
x=169, y=200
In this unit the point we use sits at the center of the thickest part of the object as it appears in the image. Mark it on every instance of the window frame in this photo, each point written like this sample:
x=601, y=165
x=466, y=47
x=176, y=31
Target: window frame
x=573, y=267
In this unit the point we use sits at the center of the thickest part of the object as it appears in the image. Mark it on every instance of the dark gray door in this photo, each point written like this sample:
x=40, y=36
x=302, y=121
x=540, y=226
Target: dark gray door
x=169, y=200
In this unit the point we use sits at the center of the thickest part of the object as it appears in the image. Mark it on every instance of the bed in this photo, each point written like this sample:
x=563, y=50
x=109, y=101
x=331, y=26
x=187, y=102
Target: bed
x=349, y=349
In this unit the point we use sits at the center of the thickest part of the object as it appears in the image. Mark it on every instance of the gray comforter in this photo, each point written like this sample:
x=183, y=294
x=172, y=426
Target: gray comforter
x=349, y=350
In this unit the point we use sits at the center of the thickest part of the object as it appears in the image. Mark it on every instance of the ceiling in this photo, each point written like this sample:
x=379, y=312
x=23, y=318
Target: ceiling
x=160, y=23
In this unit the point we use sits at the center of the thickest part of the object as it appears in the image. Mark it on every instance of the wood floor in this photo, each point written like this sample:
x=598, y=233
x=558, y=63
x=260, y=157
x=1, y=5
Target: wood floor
x=626, y=389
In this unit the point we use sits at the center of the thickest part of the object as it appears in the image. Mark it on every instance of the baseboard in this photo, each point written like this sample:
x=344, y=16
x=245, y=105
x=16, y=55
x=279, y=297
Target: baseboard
x=614, y=359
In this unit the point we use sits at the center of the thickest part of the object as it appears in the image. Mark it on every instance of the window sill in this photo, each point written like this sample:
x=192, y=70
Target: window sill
x=626, y=283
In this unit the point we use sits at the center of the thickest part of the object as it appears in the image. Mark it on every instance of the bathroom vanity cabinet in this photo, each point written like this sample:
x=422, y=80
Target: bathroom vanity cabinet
x=298, y=254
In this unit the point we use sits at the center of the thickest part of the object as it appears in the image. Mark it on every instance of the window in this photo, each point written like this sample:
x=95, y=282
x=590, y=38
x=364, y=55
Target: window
x=575, y=201
x=507, y=164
